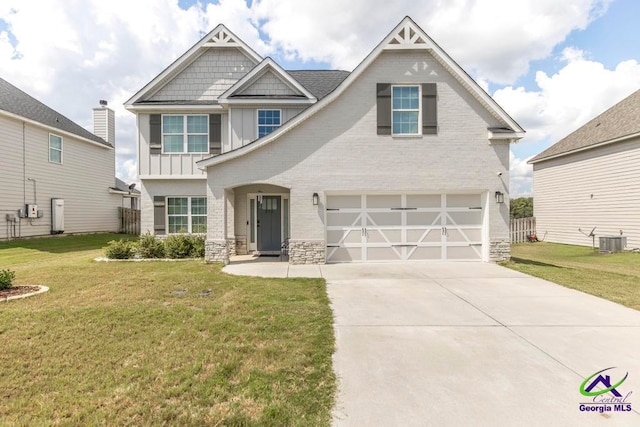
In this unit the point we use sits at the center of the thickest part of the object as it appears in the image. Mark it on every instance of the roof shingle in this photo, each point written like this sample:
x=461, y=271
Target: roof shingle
x=17, y=102
x=621, y=120
x=319, y=82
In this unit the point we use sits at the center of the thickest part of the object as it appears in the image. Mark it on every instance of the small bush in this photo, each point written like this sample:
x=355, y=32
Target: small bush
x=178, y=246
x=120, y=249
x=6, y=279
x=150, y=247
x=197, y=246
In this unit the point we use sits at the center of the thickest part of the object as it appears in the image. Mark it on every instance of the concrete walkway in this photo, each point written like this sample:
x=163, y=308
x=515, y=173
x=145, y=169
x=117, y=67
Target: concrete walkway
x=459, y=344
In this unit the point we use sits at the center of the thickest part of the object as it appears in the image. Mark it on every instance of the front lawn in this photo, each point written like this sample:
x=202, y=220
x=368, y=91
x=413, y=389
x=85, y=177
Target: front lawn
x=615, y=277
x=111, y=344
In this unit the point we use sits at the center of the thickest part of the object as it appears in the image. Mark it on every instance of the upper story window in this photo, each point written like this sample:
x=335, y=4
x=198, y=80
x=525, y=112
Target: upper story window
x=268, y=121
x=185, y=134
x=405, y=110
x=55, y=148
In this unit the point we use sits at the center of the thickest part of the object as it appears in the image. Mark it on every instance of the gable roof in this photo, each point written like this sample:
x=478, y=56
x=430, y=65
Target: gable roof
x=319, y=82
x=219, y=37
x=618, y=123
x=406, y=35
x=258, y=71
x=19, y=103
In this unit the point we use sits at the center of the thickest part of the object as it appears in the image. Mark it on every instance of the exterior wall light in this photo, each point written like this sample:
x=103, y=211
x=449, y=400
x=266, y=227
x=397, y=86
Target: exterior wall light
x=499, y=197
x=315, y=199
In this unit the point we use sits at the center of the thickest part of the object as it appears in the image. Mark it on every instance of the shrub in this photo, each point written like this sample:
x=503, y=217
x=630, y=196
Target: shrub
x=178, y=246
x=6, y=279
x=120, y=249
x=150, y=247
x=197, y=246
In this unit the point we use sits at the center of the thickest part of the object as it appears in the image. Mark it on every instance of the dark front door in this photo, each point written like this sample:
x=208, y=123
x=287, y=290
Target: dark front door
x=269, y=223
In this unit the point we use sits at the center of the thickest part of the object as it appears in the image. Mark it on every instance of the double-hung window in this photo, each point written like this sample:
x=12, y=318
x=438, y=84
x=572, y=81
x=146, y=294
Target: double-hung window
x=268, y=121
x=55, y=148
x=187, y=214
x=185, y=133
x=405, y=110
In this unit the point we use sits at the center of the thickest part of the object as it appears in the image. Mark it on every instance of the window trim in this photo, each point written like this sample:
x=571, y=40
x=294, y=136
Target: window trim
x=185, y=134
x=61, y=149
x=189, y=214
x=279, y=110
x=419, y=111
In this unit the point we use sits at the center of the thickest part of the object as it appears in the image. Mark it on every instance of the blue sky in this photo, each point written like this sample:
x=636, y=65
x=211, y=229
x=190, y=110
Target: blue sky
x=551, y=65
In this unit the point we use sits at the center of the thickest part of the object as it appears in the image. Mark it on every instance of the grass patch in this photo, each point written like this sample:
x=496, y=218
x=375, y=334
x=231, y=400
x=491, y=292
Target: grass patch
x=110, y=343
x=615, y=277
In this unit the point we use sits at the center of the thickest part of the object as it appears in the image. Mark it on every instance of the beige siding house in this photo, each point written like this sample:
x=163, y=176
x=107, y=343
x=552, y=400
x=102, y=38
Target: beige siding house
x=591, y=179
x=405, y=158
x=49, y=160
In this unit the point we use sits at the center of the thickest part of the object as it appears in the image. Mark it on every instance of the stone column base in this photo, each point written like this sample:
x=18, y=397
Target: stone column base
x=499, y=250
x=306, y=251
x=216, y=251
x=241, y=245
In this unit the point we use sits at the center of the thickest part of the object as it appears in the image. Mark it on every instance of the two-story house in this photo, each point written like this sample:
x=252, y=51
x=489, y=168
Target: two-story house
x=405, y=158
x=56, y=177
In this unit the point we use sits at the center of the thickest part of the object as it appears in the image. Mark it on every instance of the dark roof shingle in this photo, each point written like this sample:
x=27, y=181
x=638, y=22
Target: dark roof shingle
x=621, y=120
x=17, y=102
x=319, y=82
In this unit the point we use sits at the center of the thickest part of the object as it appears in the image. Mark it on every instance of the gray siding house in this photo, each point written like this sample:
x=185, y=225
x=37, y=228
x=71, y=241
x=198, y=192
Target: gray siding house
x=49, y=162
x=405, y=158
x=591, y=178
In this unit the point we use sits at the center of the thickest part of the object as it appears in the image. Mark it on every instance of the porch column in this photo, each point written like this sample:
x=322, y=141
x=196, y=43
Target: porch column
x=216, y=247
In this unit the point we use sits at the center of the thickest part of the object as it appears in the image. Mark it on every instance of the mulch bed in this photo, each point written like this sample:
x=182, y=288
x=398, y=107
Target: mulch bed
x=17, y=290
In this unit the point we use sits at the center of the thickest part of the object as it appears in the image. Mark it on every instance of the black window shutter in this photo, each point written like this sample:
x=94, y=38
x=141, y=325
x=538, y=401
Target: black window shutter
x=155, y=135
x=215, y=133
x=384, y=108
x=429, y=109
x=159, y=215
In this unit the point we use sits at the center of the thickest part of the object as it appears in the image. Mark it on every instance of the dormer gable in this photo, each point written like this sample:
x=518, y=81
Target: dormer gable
x=267, y=82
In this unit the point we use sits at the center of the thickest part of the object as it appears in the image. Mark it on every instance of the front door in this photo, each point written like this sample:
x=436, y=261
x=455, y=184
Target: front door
x=269, y=224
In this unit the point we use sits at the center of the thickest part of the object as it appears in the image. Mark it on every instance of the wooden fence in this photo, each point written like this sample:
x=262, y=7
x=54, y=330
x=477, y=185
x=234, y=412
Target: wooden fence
x=521, y=228
x=129, y=220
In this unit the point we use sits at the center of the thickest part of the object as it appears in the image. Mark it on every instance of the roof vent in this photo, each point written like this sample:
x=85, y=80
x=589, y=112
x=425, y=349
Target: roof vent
x=103, y=103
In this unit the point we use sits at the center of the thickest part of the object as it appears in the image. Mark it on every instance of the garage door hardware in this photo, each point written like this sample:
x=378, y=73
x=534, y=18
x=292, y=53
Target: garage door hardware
x=404, y=246
x=404, y=209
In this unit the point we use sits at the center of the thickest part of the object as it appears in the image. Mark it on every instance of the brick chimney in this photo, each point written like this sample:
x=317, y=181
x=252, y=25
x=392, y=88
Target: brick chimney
x=104, y=123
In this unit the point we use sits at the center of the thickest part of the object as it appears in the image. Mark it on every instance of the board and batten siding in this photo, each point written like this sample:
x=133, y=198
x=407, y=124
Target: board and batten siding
x=244, y=123
x=151, y=188
x=82, y=180
x=175, y=164
x=595, y=188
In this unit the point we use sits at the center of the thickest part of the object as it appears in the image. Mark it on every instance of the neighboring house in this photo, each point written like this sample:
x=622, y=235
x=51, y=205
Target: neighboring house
x=130, y=195
x=591, y=178
x=400, y=159
x=48, y=160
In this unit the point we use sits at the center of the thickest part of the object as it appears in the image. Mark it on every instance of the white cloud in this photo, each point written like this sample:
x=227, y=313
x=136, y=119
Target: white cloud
x=520, y=177
x=581, y=90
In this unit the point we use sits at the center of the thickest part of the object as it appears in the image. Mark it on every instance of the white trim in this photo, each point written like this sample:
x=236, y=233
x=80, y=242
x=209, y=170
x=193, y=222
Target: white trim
x=142, y=108
x=257, y=72
x=61, y=149
x=419, y=131
x=589, y=147
x=53, y=129
x=258, y=119
x=252, y=101
x=192, y=54
x=203, y=177
x=430, y=46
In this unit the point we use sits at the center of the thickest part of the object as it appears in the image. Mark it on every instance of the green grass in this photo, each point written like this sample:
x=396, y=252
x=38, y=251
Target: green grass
x=110, y=344
x=615, y=277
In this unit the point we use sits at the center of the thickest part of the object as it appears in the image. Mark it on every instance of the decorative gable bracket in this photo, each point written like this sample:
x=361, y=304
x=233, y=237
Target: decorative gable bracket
x=407, y=37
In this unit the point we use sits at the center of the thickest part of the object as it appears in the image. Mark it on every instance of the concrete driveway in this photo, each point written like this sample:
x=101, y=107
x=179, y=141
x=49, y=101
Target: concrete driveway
x=473, y=344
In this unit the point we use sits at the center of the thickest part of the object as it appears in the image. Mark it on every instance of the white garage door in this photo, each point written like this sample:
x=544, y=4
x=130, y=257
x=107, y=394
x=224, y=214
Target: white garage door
x=404, y=227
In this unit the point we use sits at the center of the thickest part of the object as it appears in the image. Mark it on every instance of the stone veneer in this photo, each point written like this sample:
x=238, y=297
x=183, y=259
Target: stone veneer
x=241, y=245
x=306, y=251
x=216, y=251
x=499, y=250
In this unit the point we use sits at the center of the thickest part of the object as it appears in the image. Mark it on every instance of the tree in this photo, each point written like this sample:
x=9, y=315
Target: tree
x=522, y=207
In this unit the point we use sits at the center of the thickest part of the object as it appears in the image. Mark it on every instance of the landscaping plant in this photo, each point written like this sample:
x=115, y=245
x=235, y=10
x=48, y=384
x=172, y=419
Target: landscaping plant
x=6, y=279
